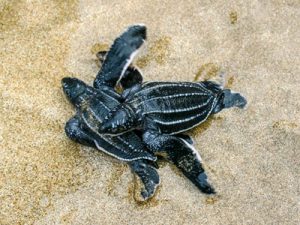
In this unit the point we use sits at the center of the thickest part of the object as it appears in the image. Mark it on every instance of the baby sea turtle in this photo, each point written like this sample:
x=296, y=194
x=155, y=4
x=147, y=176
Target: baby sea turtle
x=163, y=109
x=179, y=150
x=93, y=103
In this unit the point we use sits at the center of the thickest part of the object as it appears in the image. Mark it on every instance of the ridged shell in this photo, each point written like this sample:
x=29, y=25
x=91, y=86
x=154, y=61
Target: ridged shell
x=174, y=106
x=126, y=147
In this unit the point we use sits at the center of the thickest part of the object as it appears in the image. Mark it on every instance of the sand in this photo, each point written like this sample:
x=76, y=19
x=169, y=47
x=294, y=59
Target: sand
x=251, y=156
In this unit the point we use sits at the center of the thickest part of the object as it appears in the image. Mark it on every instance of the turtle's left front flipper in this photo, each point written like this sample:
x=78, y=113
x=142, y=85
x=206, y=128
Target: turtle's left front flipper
x=183, y=155
x=148, y=175
x=120, y=56
x=131, y=80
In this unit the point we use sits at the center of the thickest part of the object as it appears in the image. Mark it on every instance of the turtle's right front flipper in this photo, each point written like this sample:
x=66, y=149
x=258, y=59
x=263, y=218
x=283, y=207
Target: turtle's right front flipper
x=120, y=55
x=148, y=175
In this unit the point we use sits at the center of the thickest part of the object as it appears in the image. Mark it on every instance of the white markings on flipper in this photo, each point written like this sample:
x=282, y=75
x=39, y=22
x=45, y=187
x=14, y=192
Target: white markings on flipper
x=196, y=153
x=128, y=62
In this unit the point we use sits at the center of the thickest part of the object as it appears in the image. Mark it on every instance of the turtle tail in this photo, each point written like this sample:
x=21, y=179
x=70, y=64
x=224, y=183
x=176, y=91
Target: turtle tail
x=228, y=99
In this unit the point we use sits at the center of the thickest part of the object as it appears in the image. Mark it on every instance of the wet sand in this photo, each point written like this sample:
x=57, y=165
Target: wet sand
x=251, y=156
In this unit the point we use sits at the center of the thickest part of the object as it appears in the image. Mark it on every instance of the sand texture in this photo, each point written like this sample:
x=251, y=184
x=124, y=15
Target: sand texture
x=251, y=156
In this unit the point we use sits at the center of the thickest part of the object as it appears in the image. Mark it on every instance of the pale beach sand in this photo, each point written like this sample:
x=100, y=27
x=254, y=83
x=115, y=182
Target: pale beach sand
x=251, y=156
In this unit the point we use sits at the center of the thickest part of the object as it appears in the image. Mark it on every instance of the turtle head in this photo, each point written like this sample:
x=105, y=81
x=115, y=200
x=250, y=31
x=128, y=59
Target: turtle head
x=120, y=120
x=227, y=99
x=73, y=88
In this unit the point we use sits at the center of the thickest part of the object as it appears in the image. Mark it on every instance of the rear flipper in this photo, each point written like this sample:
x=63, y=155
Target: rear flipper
x=145, y=169
x=148, y=175
x=76, y=133
x=226, y=97
x=183, y=155
x=188, y=161
x=233, y=99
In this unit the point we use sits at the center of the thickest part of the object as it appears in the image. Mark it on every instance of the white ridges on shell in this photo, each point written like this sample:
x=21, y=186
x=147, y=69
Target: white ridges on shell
x=174, y=106
x=126, y=147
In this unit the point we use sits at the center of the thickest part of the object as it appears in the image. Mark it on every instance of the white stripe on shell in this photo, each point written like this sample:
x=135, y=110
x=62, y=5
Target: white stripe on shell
x=179, y=121
x=179, y=110
x=103, y=92
x=189, y=128
x=170, y=96
x=175, y=84
x=115, y=156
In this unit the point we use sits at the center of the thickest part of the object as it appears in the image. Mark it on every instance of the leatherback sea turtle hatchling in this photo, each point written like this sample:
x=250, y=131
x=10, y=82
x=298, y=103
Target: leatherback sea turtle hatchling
x=93, y=103
x=163, y=109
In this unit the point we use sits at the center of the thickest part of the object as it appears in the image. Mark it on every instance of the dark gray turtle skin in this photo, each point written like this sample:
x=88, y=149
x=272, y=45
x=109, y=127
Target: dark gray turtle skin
x=92, y=104
x=170, y=107
x=177, y=149
x=163, y=109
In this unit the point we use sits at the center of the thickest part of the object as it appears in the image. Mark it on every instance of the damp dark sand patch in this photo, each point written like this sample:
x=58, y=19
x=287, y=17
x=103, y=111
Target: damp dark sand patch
x=229, y=82
x=158, y=51
x=207, y=71
x=115, y=178
x=284, y=124
x=99, y=47
x=211, y=71
x=9, y=16
x=233, y=16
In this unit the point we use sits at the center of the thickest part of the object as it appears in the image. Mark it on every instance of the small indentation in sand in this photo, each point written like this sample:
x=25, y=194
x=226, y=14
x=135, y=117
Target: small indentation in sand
x=207, y=71
x=233, y=17
x=99, y=47
x=134, y=195
x=284, y=124
x=68, y=217
x=211, y=200
x=230, y=82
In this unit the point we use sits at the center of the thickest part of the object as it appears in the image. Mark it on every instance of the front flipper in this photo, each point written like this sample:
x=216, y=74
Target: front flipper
x=120, y=56
x=132, y=76
x=148, y=175
x=75, y=132
x=183, y=155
